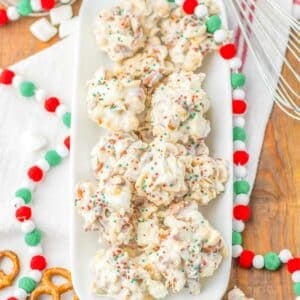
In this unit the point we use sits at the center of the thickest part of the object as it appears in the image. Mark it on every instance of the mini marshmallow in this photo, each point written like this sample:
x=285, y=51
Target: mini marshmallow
x=43, y=30
x=60, y=14
x=68, y=27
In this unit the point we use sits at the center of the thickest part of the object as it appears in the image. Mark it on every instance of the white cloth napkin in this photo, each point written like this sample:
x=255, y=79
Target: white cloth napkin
x=53, y=70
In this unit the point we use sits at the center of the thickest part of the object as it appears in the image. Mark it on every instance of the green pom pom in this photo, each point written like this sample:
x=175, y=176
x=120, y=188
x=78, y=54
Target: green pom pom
x=239, y=134
x=53, y=158
x=213, y=23
x=237, y=238
x=241, y=187
x=25, y=194
x=27, y=89
x=237, y=80
x=27, y=284
x=296, y=288
x=33, y=238
x=24, y=7
x=171, y=1
x=67, y=119
x=272, y=261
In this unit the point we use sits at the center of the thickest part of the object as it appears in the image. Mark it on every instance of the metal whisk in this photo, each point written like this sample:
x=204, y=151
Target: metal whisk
x=265, y=37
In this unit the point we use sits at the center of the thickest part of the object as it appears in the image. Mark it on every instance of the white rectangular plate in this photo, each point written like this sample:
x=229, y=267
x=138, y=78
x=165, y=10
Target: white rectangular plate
x=85, y=135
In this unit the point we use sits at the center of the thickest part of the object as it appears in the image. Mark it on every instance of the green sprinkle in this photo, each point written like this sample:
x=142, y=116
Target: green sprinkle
x=33, y=238
x=53, y=158
x=27, y=284
x=27, y=89
x=133, y=280
x=237, y=238
x=272, y=261
x=241, y=187
x=25, y=194
x=24, y=7
x=67, y=119
x=237, y=80
x=239, y=134
x=296, y=288
x=213, y=24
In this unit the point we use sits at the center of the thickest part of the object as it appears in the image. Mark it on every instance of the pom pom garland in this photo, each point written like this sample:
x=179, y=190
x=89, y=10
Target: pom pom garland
x=23, y=213
x=47, y=4
x=246, y=259
x=38, y=262
x=6, y=77
x=239, y=106
x=239, y=122
x=228, y=51
x=272, y=261
x=240, y=157
x=293, y=265
x=35, y=173
x=189, y=6
x=67, y=142
x=238, y=225
x=285, y=255
x=240, y=172
x=242, y=212
x=236, y=251
x=3, y=17
x=296, y=276
x=258, y=262
x=242, y=199
x=27, y=284
x=35, y=275
x=51, y=104
x=201, y=11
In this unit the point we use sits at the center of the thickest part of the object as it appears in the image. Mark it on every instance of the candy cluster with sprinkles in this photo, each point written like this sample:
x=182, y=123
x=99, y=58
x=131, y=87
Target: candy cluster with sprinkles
x=36, y=174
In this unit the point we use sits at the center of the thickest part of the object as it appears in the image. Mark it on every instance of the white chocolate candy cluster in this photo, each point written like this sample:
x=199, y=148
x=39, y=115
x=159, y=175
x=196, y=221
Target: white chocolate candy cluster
x=152, y=168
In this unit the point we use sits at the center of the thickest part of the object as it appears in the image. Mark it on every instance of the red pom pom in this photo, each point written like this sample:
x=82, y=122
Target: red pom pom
x=3, y=17
x=242, y=212
x=239, y=106
x=51, y=104
x=293, y=264
x=240, y=157
x=246, y=259
x=35, y=173
x=67, y=142
x=38, y=262
x=11, y=298
x=228, y=51
x=47, y=4
x=7, y=76
x=23, y=213
x=189, y=6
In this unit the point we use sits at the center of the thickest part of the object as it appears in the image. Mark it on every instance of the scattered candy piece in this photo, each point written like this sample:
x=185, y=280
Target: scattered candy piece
x=43, y=30
x=60, y=14
x=68, y=27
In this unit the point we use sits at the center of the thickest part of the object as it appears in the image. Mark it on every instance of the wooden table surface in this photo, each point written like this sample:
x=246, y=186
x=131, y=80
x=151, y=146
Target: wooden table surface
x=275, y=201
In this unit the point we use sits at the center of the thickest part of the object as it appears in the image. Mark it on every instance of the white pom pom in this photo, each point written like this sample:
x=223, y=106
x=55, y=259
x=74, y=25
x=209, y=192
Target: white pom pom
x=238, y=226
x=35, y=250
x=40, y=95
x=12, y=13
x=65, y=1
x=296, y=276
x=61, y=110
x=242, y=199
x=258, y=262
x=239, y=122
x=20, y=294
x=220, y=36
x=17, y=202
x=239, y=145
x=17, y=80
x=35, y=275
x=201, y=11
x=36, y=5
x=240, y=171
x=238, y=94
x=29, y=184
x=235, y=63
x=179, y=2
x=27, y=226
x=297, y=298
x=236, y=250
x=43, y=164
x=62, y=150
x=285, y=255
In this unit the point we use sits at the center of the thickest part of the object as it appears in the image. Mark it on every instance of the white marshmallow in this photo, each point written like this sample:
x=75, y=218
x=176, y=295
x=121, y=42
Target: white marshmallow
x=27, y=226
x=220, y=36
x=258, y=262
x=285, y=255
x=242, y=199
x=236, y=250
x=239, y=122
x=68, y=27
x=239, y=94
x=238, y=226
x=60, y=14
x=36, y=5
x=43, y=30
x=240, y=171
x=12, y=13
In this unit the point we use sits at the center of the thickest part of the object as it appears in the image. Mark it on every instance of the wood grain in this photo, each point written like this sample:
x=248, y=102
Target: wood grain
x=275, y=200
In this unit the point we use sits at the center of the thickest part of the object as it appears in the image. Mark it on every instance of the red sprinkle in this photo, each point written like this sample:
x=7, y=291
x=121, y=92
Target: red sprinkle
x=240, y=157
x=23, y=213
x=242, y=212
x=246, y=258
x=67, y=142
x=189, y=6
x=3, y=17
x=239, y=106
x=293, y=264
x=51, y=104
x=35, y=173
x=228, y=51
x=47, y=4
x=6, y=76
x=38, y=262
